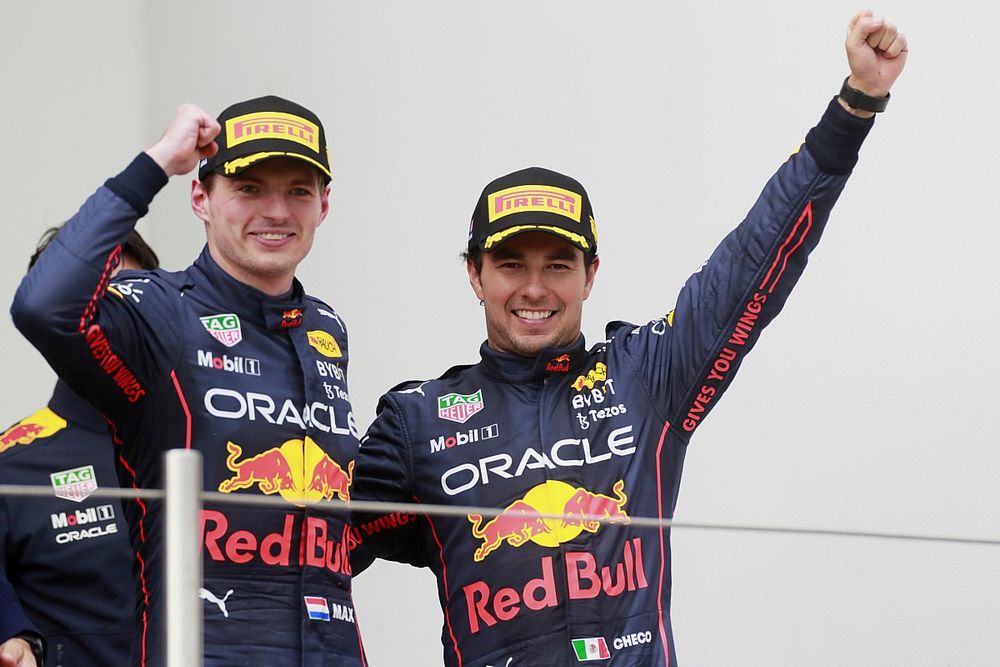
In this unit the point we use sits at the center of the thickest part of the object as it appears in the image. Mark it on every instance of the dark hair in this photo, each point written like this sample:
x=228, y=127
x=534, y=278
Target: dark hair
x=476, y=255
x=135, y=247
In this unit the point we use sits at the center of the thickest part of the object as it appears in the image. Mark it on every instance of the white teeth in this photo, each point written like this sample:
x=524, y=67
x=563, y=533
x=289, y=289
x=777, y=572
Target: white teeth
x=534, y=314
x=272, y=236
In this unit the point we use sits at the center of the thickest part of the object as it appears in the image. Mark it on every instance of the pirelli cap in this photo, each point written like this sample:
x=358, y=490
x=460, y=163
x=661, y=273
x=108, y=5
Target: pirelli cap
x=265, y=128
x=533, y=200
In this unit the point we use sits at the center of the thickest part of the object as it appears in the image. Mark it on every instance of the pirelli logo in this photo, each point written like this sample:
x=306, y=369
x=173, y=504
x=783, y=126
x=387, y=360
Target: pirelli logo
x=543, y=198
x=272, y=125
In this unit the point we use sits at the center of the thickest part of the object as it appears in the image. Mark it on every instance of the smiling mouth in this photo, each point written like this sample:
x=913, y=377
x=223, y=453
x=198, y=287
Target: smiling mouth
x=534, y=314
x=272, y=236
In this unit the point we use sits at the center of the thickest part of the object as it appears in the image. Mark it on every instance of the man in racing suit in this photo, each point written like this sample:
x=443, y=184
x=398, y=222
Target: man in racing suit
x=542, y=425
x=67, y=555
x=229, y=357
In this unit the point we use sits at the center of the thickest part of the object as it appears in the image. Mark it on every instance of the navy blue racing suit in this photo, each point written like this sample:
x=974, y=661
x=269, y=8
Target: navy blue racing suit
x=577, y=433
x=67, y=555
x=258, y=384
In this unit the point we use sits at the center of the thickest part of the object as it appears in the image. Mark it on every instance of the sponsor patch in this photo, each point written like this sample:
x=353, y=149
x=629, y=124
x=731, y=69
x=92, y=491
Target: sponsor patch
x=224, y=362
x=544, y=198
x=598, y=374
x=42, y=424
x=591, y=648
x=558, y=365
x=224, y=328
x=298, y=470
x=324, y=343
x=291, y=318
x=317, y=608
x=272, y=125
x=75, y=484
x=460, y=407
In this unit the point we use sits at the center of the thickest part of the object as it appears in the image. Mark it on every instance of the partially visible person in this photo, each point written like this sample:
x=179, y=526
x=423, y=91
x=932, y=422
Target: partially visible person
x=24, y=646
x=230, y=357
x=66, y=559
x=544, y=424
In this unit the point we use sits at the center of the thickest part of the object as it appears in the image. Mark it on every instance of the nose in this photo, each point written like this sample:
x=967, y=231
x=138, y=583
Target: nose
x=274, y=207
x=534, y=287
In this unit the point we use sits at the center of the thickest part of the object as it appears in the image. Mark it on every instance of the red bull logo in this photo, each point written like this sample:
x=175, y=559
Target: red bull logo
x=598, y=374
x=299, y=470
x=558, y=365
x=42, y=424
x=519, y=523
x=291, y=318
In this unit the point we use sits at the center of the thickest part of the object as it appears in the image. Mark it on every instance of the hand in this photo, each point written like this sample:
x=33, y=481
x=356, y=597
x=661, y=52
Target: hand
x=16, y=653
x=876, y=52
x=189, y=137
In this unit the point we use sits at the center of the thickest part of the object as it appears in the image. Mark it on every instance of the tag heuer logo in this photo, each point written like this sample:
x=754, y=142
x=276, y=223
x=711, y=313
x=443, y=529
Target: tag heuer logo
x=75, y=484
x=459, y=407
x=224, y=328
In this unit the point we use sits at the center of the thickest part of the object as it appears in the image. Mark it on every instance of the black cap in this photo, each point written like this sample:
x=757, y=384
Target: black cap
x=265, y=128
x=533, y=200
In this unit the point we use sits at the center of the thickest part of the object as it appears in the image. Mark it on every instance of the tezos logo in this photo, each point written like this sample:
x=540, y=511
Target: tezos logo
x=460, y=407
x=224, y=328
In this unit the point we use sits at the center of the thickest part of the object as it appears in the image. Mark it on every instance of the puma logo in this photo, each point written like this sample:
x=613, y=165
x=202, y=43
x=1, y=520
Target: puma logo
x=206, y=594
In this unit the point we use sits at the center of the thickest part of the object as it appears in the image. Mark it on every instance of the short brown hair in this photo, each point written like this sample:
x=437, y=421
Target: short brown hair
x=135, y=246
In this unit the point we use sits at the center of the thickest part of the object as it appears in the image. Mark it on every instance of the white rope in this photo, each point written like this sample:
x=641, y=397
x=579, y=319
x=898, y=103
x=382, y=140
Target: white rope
x=275, y=501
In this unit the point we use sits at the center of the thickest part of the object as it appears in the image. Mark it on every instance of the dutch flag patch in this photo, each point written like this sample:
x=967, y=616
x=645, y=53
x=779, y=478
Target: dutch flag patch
x=317, y=608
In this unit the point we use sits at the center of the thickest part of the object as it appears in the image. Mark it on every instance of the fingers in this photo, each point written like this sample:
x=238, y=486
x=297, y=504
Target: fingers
x=863, y=27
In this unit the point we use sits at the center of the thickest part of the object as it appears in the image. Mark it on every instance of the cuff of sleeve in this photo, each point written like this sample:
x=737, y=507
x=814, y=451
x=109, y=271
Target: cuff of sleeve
x=837, y=138
x=138, y=183
x=37, y=644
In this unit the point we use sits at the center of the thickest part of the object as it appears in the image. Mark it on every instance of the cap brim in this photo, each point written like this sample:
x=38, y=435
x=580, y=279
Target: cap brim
x=491, y=242
x=238, y=164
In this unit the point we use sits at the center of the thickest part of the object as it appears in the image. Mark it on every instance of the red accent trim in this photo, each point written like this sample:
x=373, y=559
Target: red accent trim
x=447, y=595
x=138, y=557
x=187, y=412
x=663, y=556
x=783, y=255
x=102, y=286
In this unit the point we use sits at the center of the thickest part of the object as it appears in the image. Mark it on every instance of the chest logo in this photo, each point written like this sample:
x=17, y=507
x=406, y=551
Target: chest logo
x=324, y=343
x=298, y=470
x=75, y=484
x=520, y=523
x=460, y=407
x=224, y=328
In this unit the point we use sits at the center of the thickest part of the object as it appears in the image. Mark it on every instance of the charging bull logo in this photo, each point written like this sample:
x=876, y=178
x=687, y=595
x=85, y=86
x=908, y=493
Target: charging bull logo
x=298, y=470
x=598, y=374
x=42, y=424
x=578, y=509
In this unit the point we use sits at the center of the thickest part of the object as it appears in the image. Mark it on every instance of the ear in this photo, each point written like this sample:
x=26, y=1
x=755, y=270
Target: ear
x=475, y=279
x=324, y=200
x=591, y=275
x=199, y=200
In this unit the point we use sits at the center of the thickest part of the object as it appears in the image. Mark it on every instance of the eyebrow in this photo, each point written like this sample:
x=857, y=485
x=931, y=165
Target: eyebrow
x=506, y=253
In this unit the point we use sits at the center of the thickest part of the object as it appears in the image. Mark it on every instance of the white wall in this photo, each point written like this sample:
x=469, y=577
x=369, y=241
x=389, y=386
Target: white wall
x=869, y=404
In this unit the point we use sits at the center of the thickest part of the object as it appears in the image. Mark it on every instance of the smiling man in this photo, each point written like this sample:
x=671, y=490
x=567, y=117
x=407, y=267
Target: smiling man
x=544, y=425
x=229, y=357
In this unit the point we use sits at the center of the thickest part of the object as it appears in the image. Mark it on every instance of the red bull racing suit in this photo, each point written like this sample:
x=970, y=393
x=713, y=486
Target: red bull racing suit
x=583, y=433
x=258, y=384
x=67, y=555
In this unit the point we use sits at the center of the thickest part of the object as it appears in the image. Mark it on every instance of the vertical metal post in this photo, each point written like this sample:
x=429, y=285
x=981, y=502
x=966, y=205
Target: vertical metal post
x=184, y=569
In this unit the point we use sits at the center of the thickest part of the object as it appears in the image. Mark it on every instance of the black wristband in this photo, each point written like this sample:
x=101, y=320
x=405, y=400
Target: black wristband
x=858, y=100
x=37, y=646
